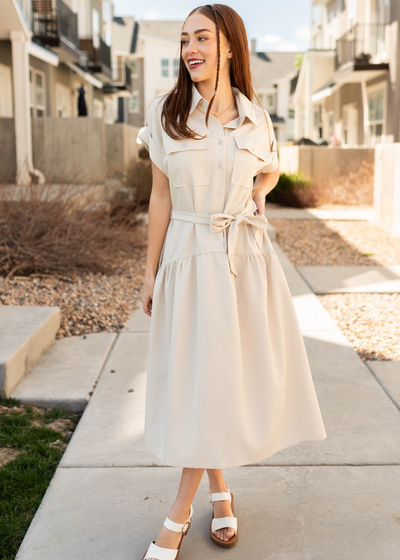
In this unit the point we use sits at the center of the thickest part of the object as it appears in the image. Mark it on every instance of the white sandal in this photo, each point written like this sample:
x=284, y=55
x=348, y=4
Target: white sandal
x=221, y=522
x=161, y=553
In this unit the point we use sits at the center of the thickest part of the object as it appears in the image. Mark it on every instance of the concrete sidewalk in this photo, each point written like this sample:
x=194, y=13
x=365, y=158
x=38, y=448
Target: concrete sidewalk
x=339, y=498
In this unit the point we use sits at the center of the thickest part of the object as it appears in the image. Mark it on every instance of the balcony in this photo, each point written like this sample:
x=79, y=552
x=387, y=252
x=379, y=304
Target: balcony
x=96, y=56
x=121, y=80
x=55, y=25
x=363, y=45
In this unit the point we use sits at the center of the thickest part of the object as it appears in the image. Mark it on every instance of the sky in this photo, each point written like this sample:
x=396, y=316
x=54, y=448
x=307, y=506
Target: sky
x=277, y=25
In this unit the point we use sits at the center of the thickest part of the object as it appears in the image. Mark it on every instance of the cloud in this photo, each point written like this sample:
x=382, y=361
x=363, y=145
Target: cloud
x=277, y=43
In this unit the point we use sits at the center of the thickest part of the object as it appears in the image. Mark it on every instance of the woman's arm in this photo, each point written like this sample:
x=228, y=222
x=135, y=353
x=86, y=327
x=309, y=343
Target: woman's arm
x=263, y=184
x=159, y=213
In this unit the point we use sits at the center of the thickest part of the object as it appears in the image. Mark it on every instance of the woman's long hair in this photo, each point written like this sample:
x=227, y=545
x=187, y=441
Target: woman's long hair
x=178, y=101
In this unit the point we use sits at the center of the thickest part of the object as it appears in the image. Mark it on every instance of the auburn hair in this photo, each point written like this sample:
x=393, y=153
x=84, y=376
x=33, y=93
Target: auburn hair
x=178, y=100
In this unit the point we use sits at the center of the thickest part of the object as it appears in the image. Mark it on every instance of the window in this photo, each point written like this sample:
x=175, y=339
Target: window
x=63, y=100
x=176, y=66
x=164, y=67
x=331, y=124
x=291, y=114
x=270, y=100
x=95, y=28
x=6, y=107
x=37, y=92
x=132, y=63
x=351, y=9
x=318, y=120
x=350, y=124
x=376, y=114
x=332, y=10
x=134, y=102
x=114, y=68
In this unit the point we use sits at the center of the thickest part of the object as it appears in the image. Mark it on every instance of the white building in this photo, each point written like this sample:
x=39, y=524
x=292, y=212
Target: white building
x=348, y=85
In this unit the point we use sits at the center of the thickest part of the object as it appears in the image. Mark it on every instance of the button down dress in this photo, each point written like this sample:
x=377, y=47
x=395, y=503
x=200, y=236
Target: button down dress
x=228, y=379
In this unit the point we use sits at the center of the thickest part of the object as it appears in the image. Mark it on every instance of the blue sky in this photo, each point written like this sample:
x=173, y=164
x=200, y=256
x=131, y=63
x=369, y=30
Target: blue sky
x=278, y=25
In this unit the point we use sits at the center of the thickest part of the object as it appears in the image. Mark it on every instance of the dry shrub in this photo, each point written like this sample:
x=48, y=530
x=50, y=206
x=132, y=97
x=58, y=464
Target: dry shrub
x=138, y=178
x=352, y=188
x=62, y=230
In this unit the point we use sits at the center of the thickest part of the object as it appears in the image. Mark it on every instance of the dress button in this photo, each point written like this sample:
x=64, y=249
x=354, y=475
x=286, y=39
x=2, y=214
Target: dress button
x=219, y=192
x=219, y=165
x=184, y=144
x=216, y=236
x=220, y=141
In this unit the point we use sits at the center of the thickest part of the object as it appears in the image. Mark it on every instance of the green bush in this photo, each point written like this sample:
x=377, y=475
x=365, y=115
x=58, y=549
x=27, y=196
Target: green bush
x=292, y=189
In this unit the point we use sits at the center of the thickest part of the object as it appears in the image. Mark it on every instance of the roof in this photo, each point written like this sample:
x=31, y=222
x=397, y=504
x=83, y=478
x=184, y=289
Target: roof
x=166, y=30
x=267, y=67
x=124, y=33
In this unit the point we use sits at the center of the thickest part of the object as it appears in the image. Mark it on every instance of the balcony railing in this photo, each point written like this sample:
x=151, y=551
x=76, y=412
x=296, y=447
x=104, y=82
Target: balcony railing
x=361, y=43
x=96, y=58
x=49, y=23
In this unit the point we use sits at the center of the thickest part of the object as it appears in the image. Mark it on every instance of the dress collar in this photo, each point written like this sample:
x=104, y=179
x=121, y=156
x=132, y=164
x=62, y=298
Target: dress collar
x=245, y=106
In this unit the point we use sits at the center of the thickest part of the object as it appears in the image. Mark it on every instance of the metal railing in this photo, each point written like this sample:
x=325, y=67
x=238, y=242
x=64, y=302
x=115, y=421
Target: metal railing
x=361, y=43
x=96, y=56
x=49, y=23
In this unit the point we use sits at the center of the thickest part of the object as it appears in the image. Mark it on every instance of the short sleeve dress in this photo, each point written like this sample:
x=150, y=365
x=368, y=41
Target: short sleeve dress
x=228, y=378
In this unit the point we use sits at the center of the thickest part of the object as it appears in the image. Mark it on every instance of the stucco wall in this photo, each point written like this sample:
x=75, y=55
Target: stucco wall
x=321, y=161
x=387, y=188
x=69, y=150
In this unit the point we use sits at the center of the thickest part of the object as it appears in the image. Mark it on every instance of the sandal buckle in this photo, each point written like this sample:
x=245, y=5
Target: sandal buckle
x=209, y=497
x=184, y=528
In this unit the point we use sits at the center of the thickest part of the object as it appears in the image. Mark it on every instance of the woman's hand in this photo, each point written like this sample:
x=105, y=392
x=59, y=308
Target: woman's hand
x=147, y=294
x=259, y=199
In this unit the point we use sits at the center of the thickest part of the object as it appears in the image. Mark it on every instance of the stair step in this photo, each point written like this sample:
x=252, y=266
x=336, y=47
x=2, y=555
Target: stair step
x=26, y=333
x=66, y=376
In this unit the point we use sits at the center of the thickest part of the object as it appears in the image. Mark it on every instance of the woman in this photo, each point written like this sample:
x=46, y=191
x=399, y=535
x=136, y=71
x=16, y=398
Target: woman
x=228, y=380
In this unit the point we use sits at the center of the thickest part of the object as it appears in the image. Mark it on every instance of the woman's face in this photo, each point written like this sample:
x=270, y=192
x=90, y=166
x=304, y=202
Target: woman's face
x=199, y=42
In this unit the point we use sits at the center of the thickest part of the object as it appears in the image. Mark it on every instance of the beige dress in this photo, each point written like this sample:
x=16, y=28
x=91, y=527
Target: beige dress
x=228, y=379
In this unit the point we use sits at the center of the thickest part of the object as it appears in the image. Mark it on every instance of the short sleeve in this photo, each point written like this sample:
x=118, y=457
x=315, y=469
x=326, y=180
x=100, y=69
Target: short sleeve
x=274, y=163
x=151, y=135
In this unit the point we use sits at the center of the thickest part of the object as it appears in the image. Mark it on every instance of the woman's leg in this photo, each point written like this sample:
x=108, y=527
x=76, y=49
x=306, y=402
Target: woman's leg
x=222, y=508
x=190, y=480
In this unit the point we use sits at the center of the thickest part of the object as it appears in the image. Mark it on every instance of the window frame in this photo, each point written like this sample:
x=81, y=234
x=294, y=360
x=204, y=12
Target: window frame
x=33, y=105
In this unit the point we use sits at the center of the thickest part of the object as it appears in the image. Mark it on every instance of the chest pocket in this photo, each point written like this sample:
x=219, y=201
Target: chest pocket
x=187, y=161
x=250, y=158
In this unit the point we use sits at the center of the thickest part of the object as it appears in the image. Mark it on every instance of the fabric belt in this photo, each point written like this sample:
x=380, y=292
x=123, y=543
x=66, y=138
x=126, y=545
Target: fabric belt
x=219, y=221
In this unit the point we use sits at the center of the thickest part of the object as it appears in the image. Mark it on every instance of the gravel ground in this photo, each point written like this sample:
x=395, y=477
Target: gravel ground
x=336, y=243
x=89, y=303
x=371, y=322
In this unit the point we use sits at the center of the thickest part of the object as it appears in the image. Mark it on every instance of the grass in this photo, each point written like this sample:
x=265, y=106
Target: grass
x=36, y=450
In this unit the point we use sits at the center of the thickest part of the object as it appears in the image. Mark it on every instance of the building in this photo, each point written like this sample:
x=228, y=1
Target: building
x=348, y=86
x=273, y=77
x=49, y=51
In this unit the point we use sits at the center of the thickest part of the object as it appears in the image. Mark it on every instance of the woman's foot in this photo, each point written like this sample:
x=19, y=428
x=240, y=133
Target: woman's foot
x=222, y=508
x=170, y=539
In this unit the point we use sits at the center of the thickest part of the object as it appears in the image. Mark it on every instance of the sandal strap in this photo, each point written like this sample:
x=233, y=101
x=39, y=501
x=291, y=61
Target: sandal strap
x=222, y=522
x=161, y=553
x=217, y=496
x=178, y=527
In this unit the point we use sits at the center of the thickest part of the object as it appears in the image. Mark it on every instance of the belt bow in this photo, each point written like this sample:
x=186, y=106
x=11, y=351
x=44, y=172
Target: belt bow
x=220, y=221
